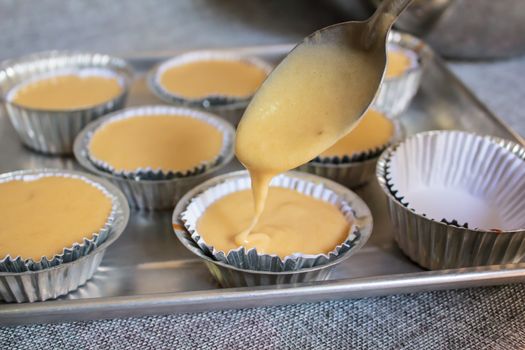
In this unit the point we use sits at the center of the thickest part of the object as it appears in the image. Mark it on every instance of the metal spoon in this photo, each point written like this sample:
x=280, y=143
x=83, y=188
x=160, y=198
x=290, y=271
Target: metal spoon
x=269, y=140
x=294, y=117
x=370, y=35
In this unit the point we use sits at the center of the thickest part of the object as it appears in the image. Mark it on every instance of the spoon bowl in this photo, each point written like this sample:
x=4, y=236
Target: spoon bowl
x=317, y=94
x=370, y=36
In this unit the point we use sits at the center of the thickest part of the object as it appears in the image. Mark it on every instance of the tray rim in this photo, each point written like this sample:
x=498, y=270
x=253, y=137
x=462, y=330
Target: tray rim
x=247, y=297
x=57, y=311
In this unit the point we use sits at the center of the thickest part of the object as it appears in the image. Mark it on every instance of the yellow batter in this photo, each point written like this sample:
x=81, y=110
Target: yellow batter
x=312, y=99
x=374, y=130
x=398, y=62
x=290, y=223
x=42, y=217
x=69, y=91
x=166, y=142
x=213, y=77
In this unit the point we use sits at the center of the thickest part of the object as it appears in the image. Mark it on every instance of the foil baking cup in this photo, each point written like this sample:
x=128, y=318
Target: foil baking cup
x=458, y=164
x=230, y=108
x=151, y=111
x=17, y=264
x=351, y=175
x=247, y=268
x=396, y=93
x=28, y=281
x=53, y=132
x=355, y=170
x=148, y=189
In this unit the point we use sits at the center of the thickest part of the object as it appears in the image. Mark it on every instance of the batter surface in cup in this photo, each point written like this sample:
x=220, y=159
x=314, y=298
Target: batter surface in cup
x=68, y=91
x=204, y=78
x=42, y=217
x=373, y=130
x=398, y=62
x=165, y=142
x=290, y=223
x=312, y=99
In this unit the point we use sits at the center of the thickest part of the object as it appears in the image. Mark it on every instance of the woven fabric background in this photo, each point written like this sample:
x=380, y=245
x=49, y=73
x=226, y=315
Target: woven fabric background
x=488, y=318
x=481, y=318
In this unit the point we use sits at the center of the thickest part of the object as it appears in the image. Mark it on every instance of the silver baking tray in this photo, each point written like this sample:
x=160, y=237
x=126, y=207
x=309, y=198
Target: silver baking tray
x=149, y=272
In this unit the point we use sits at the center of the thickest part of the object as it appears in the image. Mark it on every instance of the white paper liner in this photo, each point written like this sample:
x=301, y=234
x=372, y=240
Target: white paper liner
x=77, y=250
x=213, y=100
x=461, y=179
x=250, y=259
x=159, y=174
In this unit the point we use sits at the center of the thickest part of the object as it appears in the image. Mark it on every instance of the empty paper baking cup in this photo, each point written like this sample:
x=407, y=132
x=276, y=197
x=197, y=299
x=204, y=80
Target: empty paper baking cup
x=248, y=268
x=152, y=189
x=396, y=93
x=353, y=170
x=28, y=280
x=229, y=107
x=456, y=199
x=49, y=131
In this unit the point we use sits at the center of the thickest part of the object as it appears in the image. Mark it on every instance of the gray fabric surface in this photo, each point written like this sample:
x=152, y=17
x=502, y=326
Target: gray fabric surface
x=482, y=318
x=125, y=26
x=489, y=318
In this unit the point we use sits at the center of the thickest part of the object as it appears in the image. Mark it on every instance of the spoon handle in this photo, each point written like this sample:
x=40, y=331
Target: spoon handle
x=392, y=8
x=384, y=17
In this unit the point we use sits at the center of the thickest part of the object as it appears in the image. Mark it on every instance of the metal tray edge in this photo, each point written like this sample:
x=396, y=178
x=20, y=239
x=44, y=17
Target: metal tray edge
x=236, y=298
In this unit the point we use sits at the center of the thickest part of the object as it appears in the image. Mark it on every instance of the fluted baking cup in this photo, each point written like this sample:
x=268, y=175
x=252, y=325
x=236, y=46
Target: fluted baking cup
x=21, y=281
x=229, y=276
x=54, y=132
x=354, y=170
x=460, y=177
x=313, y=186
x=154, y=191
x=351, y=175
x=91, y=241
x=487, y=171
x=396, y=93
x=230, y=108
x=149, y=173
